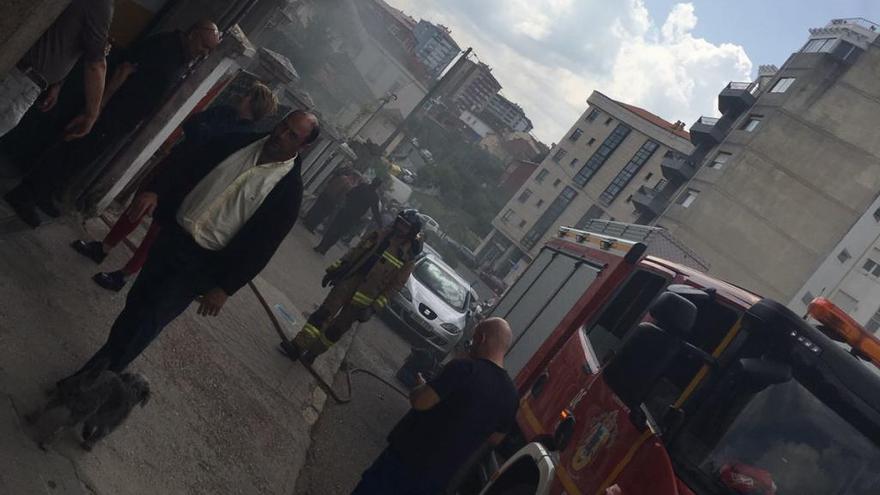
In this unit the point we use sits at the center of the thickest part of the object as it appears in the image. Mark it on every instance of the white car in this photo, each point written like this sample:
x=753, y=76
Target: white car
x=429, y=223
x=435, y=304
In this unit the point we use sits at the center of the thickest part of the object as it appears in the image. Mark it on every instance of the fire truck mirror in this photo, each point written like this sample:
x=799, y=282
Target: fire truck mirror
x=764, y=372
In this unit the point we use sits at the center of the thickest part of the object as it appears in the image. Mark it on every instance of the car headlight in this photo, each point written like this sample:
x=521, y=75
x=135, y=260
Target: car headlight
x=451, y=328
x=404, y=291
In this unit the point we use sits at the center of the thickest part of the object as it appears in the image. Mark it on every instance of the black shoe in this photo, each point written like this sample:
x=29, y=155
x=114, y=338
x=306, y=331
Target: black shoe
x=92, y=250
x=48, y=207
x=318, y=250
x=289, y=349
x=114, y=281
x=23, y=207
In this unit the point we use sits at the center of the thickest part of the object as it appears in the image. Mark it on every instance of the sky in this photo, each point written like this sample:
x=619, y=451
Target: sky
x=669, y=57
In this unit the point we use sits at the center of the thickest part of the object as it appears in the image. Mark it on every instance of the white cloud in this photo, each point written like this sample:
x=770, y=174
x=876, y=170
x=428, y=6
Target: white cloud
x=550, y=54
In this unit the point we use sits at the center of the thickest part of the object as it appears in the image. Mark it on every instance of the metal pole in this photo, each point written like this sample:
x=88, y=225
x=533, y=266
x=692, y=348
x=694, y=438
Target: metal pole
x=440, y=83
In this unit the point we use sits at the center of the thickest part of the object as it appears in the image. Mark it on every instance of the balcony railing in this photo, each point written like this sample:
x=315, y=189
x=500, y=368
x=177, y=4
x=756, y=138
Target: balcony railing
x=858, y=21
x=710, y=121
x=751, y=87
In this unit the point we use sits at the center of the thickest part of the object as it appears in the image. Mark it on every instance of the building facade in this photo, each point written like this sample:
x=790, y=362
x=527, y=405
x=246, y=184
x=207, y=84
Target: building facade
x=435, y=48
x=471, y=87
x=611, y=151
x=509, y=114
x=786, y=202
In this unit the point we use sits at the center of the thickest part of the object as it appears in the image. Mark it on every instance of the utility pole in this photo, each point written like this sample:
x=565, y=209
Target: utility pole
x=430, y=94
x=384, y=101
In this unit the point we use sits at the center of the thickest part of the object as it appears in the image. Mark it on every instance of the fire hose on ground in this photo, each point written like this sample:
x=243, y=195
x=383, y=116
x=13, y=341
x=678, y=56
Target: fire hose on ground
x=326, y=387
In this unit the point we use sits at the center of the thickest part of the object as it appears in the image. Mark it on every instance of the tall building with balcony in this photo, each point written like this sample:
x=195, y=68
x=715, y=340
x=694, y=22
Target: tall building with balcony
x=471, y=87
x=507, y=115
x=435, y=47
x=607, y=155
x=785, y=201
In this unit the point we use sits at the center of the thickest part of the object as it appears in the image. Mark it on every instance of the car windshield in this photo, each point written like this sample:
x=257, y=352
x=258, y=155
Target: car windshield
x=443, y=284
x=784, y=440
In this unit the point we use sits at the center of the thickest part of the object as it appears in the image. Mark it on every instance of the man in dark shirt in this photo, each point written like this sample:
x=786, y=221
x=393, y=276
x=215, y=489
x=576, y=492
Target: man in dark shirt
x=137, y=86
x=471, y=402
x=357, y=202
x=80, y=30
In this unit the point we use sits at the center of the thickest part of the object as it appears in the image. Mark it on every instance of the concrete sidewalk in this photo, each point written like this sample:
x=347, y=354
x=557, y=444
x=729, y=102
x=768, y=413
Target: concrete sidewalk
x=229, y=414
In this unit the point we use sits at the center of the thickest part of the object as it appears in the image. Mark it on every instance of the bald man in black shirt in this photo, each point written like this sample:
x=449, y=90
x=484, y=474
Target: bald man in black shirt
x=471, y=402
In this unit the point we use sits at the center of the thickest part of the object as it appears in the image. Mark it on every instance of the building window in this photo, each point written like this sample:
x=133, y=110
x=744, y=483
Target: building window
x=877, y=214
x=525, y=195
x=550, y=215
x=688, y=198
x=719, y=160
x=541, y=176
x=752, y=123
x=559, y=155
x=871, y=268
x=592, y=115
x=507, y=216
x=630, y=170
x=844, y=256
x=648, y=177
x=539, y=203
x=557, y=182
x=576, y=134
x=608, y=121
x=601, y=155
x=522, y=223
x=661, y=184
x=819, y=45
x=574, y=162
x=591, y=141
x=629, y=199
x=782, y=85
x=874, y=323
x=808, y=298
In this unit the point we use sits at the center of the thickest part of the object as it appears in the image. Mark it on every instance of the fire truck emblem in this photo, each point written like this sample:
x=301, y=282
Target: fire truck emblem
x=595, y=440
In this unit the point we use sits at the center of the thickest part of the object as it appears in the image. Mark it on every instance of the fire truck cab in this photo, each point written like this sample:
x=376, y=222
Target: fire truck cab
x=641, y=376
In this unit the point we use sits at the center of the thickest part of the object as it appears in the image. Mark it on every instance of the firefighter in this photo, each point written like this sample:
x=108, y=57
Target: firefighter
x=362, y=281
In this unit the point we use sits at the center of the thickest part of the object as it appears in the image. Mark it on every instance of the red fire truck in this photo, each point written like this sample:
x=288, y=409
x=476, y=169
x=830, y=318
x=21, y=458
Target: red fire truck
x=642, y=376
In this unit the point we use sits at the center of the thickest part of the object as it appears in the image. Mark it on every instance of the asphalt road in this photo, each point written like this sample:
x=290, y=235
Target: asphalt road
x=348, y=437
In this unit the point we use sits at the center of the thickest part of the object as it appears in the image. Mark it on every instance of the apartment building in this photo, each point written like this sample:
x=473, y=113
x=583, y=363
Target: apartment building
x=471, y=87
x=435, y=47
x=786, y=203
x=610, y=152
x=507, y=115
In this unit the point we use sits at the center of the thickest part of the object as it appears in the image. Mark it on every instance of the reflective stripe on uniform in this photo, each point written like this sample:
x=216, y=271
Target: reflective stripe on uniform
x=312, y=330
x=327, y=343
x=381, y=301
x=392, y=260
x=336, y=264
x=361, y=299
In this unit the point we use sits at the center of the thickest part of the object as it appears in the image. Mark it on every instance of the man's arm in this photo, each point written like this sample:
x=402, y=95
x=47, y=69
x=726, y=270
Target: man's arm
x=95, y=74
x=120, y=74
x=423, y=397
x=427, y=395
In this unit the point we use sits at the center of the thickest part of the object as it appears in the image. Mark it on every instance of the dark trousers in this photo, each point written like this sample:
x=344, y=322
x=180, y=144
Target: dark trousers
x=389, y=475
x=176, y=272
x=319, y=212
x=341, y=225
x=65, y=162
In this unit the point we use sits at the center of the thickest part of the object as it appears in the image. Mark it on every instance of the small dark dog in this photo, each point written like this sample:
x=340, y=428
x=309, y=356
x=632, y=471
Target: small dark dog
x=100, y=400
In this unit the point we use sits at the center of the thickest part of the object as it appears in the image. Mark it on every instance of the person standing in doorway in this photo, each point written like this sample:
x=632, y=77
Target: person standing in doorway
x=344, y=180
x=80, y=31
x=223, y=217
x=221, y=120
x=358, y=201
x=136, y=88
x=471, y=403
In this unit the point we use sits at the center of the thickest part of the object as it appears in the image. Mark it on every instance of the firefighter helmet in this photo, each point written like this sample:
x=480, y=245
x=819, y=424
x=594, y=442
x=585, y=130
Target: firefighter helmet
x=412, y=218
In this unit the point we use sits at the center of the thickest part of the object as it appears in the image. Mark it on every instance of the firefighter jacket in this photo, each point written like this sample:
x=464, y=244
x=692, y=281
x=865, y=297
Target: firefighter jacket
x=380, y=264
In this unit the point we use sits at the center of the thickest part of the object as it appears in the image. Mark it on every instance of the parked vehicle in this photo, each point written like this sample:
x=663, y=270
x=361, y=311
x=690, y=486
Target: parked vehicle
x=720, y=391
x=430, y=224
x=435, y=304
x=494, y=283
